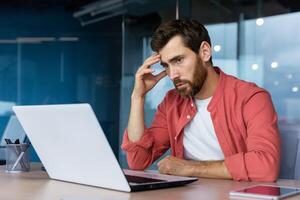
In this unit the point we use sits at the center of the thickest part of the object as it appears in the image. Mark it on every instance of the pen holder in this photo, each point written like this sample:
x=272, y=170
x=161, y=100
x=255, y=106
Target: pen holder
x=17, y=158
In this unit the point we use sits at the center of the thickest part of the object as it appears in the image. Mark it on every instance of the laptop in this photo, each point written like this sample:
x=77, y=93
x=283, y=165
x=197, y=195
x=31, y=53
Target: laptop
x=72, y=147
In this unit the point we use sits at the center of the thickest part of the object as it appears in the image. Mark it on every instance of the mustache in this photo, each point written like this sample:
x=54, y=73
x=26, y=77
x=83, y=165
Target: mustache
x=178, y=81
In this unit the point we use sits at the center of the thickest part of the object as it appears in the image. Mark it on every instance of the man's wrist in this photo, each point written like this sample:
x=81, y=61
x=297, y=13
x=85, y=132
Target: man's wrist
x=136, y=97
x=190, y=168
x=197, y=168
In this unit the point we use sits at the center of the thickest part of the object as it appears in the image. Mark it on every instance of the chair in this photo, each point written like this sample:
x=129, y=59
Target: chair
x=290, y=152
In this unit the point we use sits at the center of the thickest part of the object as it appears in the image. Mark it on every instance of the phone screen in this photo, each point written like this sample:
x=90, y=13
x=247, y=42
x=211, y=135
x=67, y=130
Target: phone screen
x=268, y=190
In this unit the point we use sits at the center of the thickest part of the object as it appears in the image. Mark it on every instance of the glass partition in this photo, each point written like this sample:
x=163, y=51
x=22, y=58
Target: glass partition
x=48, y=57
x=256, y=41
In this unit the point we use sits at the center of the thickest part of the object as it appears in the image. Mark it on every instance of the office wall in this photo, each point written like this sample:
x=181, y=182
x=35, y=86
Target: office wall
x=86, y=69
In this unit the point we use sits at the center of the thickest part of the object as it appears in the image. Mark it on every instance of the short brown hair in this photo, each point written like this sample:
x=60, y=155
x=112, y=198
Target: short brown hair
x=192, y=32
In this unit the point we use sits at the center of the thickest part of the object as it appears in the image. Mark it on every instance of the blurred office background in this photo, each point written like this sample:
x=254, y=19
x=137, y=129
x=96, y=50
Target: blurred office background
x=70, y=51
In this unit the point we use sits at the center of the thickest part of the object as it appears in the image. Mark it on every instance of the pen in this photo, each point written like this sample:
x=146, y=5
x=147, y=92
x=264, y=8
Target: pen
x=22, y=150
x=17, y=150
x=8, y=141
x=17, y=161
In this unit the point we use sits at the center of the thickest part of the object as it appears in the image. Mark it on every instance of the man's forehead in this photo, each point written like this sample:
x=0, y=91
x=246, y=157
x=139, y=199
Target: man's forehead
x=168, y=57
x=175, y=41
x=173, y=48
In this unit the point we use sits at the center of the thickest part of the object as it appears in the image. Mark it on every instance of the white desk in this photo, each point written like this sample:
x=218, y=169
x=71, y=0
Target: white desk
x=36, y=185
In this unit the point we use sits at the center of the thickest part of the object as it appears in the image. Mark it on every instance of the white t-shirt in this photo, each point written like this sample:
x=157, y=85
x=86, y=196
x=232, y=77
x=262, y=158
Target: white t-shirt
x=200, y=141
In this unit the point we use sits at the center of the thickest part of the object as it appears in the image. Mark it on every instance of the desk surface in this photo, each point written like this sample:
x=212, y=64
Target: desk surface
x=36, y=185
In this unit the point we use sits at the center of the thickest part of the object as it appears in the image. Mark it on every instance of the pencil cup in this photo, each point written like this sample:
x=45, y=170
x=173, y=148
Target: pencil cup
x=17, y=158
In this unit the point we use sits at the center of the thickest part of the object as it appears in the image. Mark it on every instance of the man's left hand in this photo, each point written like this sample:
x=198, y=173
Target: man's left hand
x=206, y=169
x=174, y=166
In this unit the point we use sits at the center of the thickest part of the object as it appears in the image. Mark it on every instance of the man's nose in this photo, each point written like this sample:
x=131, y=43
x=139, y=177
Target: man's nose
x=173, y=73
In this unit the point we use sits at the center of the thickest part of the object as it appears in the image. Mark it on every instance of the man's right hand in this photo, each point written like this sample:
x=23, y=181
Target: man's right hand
x=144, y=79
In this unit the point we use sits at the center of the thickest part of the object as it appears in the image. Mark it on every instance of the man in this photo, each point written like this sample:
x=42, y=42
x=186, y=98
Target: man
x=216, y=125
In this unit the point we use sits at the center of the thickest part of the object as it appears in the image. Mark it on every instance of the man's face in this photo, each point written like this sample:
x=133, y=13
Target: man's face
x=183, y=66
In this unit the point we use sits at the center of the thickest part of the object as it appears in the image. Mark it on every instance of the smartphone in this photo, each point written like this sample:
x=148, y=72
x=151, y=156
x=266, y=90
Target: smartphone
x=265, y=192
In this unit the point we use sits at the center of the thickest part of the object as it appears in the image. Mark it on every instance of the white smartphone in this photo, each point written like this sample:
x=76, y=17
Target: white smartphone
x=265, y=192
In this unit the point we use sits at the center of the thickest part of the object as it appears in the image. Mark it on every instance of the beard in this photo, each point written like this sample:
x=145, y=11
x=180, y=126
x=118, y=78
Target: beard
x=188, y=88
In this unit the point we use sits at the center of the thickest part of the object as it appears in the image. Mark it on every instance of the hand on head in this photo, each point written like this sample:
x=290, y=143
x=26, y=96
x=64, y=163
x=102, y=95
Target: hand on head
x=144, y=79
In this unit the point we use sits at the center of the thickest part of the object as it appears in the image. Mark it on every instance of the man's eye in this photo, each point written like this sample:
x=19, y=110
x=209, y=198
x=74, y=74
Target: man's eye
x=179, y=60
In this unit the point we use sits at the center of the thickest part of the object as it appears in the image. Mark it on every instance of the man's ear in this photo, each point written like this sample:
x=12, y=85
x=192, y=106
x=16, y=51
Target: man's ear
x=205, y=51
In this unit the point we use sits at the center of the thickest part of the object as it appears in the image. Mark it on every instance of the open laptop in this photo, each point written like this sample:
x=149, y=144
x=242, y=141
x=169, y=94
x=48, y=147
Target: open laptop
x=72, y=147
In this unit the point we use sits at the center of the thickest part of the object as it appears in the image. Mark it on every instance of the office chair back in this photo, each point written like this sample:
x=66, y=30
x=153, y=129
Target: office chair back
x=290, y=154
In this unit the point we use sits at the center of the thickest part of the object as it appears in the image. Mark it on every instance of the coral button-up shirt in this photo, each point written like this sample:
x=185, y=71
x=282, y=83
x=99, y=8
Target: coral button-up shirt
x=244, y=120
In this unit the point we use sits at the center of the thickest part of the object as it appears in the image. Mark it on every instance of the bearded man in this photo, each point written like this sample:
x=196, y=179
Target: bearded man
x=216, y=125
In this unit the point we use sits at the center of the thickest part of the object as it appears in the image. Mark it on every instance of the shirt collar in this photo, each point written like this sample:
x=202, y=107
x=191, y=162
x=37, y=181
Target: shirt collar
x=219, y=90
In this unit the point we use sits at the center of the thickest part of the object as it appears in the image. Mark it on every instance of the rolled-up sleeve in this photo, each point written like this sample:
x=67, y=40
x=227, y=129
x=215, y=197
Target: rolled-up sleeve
x=153, y=144
x=261, y=162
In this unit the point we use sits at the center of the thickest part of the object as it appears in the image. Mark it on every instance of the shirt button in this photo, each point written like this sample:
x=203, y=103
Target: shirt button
x=188, y=116
x=192, y=105
x=175, y=138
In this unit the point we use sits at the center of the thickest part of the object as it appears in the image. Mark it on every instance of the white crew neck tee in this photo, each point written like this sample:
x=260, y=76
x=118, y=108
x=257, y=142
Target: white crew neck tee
x=200, y=141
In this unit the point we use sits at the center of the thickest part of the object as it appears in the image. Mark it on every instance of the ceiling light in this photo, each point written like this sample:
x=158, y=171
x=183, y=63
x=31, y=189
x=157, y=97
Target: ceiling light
x=217, y=48
x=68, y=39
x=274, y=65
x=289, y=76
x=259, y=21
x=295, y=89
x=254, y=66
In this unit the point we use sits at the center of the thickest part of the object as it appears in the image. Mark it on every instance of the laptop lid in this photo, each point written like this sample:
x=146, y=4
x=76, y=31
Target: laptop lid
x=71, y=145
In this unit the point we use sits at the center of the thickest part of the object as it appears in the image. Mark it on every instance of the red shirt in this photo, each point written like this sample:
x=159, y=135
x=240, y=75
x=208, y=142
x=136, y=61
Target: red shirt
x=244, y=120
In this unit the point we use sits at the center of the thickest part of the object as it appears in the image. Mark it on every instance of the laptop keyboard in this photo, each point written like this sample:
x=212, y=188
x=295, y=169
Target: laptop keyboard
x=138, y=179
